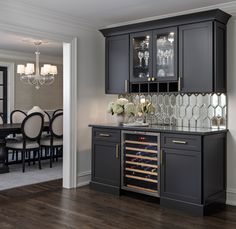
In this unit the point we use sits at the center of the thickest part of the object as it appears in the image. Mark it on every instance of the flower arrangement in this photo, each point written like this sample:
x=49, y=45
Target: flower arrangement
x=121, y=107
x=145, y=108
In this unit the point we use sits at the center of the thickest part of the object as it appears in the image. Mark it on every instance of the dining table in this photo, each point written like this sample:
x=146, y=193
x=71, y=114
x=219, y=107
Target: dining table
x=5, y=130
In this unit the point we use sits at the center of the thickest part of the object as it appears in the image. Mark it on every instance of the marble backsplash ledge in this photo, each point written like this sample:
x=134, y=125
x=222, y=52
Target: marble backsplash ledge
x=190, y=110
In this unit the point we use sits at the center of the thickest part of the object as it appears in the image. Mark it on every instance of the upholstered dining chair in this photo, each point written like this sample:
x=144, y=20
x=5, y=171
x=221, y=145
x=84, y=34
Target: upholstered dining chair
x=47, y=117
x=54, y=142
x=17, y=116
x=31, y=129
x=1, y=120
x=57, y=111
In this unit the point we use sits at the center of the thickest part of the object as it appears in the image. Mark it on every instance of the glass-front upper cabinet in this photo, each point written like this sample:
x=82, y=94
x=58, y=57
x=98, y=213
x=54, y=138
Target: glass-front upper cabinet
x=141, y=56
x=165, y=54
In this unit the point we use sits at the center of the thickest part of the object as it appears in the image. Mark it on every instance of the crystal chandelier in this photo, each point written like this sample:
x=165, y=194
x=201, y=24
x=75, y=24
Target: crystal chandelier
x=37, y=78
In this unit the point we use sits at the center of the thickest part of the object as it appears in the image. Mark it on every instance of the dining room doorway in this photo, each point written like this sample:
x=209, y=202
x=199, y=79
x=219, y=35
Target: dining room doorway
x=69, y=106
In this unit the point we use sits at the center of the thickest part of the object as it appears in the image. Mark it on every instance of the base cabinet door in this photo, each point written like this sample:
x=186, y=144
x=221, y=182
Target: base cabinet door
x=106, y=163
x=181, y=175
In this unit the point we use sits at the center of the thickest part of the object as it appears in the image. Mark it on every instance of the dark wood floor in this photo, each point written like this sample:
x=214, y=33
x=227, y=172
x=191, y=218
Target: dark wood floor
x=47, y=206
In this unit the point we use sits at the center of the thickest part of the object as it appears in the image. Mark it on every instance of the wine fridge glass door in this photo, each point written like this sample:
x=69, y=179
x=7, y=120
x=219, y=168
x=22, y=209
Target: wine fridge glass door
x=140, y=162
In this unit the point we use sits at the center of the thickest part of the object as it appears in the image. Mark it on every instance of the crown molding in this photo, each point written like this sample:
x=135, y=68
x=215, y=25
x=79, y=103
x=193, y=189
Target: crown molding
x=23, y=56
x=229, y=8
x=23, y=8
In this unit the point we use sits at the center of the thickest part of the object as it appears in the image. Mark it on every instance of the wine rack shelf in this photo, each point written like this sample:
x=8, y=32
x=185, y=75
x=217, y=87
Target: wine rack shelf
x=143, y=189
x=143, y=150
x=141, y=171
x=141, y=178
x=140, y=162
x=142, y=157
x=141, y=143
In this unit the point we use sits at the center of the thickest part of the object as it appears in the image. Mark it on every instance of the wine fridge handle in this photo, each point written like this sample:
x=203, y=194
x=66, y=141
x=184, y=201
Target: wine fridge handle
x=161, y=157
x=117, y=151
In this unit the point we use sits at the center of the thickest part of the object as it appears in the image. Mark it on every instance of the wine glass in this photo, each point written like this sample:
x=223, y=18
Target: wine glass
x=171, y=37
x=140, y=56
x=146, y=57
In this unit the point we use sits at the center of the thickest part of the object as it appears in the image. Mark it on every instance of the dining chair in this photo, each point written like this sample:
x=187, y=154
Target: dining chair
x=31, y=129
x=16, y=116
x=57, y=111
x=47, y=117
x=1, y=120
x=54, y=142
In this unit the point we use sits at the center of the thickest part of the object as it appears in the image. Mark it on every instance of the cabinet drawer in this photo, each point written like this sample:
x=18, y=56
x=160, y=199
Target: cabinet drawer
x=181, y=141
x=106, y=135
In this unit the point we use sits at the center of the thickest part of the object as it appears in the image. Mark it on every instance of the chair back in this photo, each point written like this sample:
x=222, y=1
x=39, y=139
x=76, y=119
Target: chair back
x=47, y=117
x=1, y=120
x=32, y=126
x=17, y=116
x=57, y=111
x=56, y=125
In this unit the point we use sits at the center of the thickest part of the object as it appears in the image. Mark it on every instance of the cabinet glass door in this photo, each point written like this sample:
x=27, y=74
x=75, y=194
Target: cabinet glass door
x=165, y=54
x=141, y=56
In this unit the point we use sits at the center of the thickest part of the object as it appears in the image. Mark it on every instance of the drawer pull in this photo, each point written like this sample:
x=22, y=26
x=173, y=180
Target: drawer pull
x=104, y=135
x=117, y=151
x=179, y=142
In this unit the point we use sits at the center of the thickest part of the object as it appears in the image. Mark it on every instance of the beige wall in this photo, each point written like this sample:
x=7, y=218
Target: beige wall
x=47, y=97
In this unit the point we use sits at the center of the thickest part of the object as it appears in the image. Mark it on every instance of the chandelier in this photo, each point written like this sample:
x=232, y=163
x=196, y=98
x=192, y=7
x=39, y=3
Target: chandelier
x=44, y=76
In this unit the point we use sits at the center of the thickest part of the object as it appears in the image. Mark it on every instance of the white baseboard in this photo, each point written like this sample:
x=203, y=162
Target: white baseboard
x=231, y=197
x=83, y=178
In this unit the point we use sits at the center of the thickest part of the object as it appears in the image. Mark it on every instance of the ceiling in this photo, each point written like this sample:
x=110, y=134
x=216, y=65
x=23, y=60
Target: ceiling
x=18, y=43
x=97, y=13
x=101, y=13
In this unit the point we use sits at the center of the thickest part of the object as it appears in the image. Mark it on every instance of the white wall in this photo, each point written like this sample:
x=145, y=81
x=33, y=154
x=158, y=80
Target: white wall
x=92, y=100
x=231, y=138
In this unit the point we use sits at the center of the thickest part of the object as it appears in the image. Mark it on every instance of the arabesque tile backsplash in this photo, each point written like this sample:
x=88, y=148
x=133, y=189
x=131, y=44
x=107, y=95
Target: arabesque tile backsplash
x=192, y=110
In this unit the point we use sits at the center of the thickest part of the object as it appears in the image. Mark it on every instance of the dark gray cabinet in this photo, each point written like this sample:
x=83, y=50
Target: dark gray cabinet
x=196, y=57
x=181, y=175
x=117, y=64
x=106, y=160
x=192, y=167
x=180, y=54
x=202, y=57
x=193, y=172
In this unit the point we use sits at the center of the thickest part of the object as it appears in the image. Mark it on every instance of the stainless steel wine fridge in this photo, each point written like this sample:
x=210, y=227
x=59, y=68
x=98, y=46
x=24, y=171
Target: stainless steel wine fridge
x=141, y=162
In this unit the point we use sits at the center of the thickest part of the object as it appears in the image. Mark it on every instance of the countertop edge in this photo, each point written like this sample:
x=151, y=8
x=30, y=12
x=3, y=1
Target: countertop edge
x=192, y=132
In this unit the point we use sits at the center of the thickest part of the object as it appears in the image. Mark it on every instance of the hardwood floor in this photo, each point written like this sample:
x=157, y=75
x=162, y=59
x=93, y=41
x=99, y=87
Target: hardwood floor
x=47, y=206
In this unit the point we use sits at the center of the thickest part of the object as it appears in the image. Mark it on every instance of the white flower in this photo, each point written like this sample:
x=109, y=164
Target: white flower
x=130, y=109
x=122, y=101
x=150, y=109
x=110, y=108
x=118, y=109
